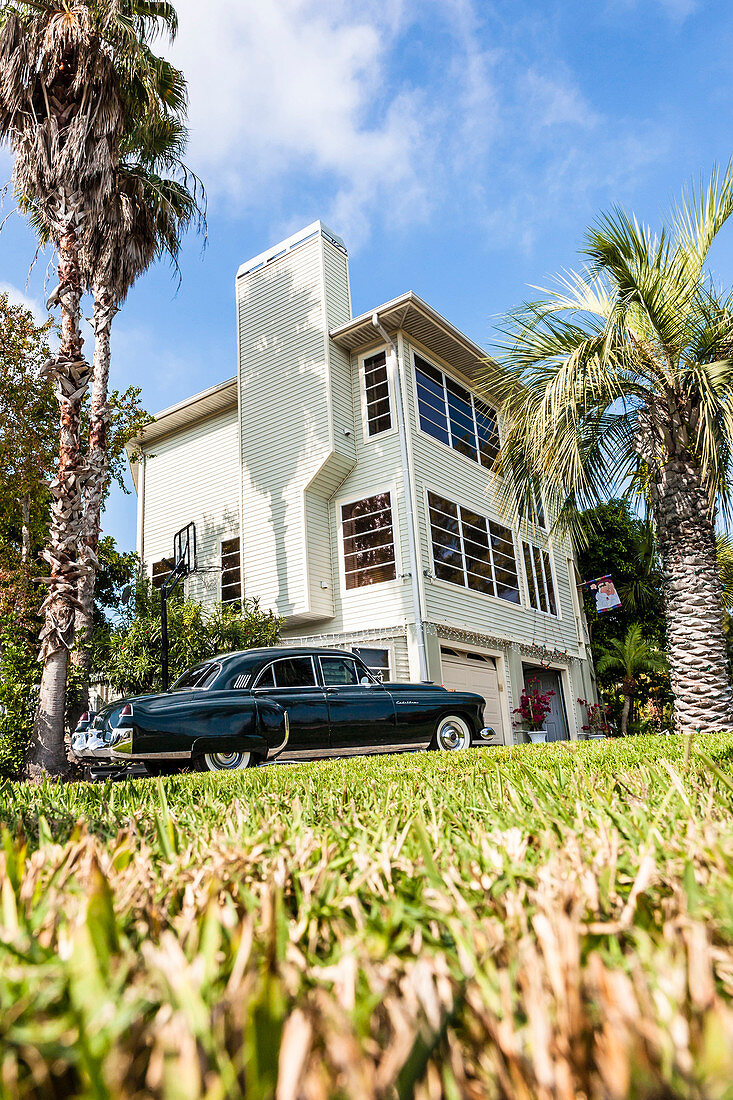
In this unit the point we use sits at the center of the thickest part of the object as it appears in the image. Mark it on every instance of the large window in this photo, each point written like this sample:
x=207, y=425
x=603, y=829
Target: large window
x=369, y=556
x=231, y=575
x=376, y=384
x=540, y=585
x=455, y=416
x=471, y=550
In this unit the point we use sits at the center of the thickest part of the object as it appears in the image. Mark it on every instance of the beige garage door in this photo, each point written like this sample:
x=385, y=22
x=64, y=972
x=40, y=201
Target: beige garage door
x=473, y=672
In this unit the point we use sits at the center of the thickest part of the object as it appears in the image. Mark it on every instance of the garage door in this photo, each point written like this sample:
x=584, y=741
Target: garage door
x=474, y=672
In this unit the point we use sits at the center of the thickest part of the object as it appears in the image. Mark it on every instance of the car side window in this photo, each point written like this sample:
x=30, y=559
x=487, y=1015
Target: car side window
x=339, y=671
x=294, y=672
x=266, y=679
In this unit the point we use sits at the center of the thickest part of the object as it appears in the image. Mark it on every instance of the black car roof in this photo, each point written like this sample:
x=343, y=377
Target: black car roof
x=248, y=657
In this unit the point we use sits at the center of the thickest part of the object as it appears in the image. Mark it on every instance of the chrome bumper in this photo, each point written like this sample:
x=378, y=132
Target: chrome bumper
x=487, y=734
x=90, y=746
x=122, y=751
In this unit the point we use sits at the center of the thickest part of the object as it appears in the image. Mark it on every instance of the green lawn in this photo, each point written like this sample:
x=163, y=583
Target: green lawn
x=538, y=922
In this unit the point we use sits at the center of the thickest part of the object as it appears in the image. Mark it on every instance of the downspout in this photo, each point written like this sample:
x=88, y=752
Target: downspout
x=393, y=359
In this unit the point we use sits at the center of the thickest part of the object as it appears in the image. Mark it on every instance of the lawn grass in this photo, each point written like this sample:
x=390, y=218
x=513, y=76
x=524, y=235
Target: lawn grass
x=539, y=922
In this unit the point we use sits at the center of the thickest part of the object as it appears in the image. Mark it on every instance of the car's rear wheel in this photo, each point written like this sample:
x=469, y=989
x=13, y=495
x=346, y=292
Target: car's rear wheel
x=452, y=733
x=224, y=761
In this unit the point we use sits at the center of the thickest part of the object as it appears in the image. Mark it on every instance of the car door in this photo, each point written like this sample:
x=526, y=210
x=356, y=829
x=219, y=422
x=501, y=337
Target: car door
x=360, y=710
x=292, y=682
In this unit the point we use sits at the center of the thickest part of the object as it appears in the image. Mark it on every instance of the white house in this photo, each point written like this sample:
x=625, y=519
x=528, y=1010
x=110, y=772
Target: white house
x=344, y=477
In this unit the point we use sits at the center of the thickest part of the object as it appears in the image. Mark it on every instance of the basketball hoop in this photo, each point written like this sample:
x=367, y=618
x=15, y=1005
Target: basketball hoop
x=184, y=563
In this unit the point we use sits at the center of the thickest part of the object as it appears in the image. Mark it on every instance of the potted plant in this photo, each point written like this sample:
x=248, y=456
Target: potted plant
x=597, y=725
x=534, y=706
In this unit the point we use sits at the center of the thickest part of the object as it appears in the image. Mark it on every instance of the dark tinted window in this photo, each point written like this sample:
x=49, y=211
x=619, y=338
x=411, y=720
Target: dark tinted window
x=369, y=556
x=231, y=579
x=471, y=550
x=200, y=676
x=450, y=413
x=266, y=678
x=340, y=670
x=379, y=413
x=293, y=672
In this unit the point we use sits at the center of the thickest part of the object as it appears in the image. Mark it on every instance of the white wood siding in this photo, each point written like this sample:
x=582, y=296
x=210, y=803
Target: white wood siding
x=439, y=468
x=193, y=475
x=297, y=436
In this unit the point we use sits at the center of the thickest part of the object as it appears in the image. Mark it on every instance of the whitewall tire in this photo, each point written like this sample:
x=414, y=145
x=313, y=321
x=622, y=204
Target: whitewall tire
x=225, y=761
x=452, y=733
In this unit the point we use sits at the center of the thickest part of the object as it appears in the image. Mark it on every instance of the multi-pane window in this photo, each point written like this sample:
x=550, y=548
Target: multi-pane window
x=369, y=555
x=161, y=569
x=376, y=385
x=376, y=660
x=231, y=575
x=455, y=416
x=540, y=584
x=535, y=512
x=471, y=550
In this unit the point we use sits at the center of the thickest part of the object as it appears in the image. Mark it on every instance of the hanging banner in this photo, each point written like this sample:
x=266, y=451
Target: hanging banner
x=603, y=591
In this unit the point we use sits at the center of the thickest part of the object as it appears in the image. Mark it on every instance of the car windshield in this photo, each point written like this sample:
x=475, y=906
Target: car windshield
x=199, y=677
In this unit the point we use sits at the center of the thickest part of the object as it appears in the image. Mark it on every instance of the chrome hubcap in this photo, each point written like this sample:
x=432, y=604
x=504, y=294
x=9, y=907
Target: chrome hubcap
x=227, y=761
x=452, y=736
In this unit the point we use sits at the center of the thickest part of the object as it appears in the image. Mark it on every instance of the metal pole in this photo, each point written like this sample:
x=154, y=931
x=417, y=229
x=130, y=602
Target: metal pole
x=164, y=632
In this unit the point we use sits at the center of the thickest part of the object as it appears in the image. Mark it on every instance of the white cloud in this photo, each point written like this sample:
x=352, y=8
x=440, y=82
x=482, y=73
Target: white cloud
x=20, y=298
x=302, y=86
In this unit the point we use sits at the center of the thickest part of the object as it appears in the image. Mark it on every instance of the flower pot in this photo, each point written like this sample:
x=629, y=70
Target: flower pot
x=596, y=736
x=537, y=737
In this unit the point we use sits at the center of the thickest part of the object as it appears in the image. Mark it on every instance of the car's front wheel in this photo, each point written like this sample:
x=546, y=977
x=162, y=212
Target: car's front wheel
x=452, y=733
x=224, y=761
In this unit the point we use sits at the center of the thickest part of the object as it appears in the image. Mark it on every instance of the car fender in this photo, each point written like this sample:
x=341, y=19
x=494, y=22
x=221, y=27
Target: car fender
x=245, y=742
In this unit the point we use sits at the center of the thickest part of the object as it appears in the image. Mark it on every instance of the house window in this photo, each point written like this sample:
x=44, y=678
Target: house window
x=369, y=556
x=455, y=416
x=160, y=571
x=231, y=575
x=376, y=660
x=471, y=550
x=376, y=384
x=535, y=513
x=540, y=585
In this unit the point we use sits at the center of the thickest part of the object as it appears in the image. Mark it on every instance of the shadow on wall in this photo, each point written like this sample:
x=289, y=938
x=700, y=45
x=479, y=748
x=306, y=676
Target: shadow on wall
x=285, y=423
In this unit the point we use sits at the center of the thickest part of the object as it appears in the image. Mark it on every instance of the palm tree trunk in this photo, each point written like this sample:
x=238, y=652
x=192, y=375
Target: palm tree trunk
x=698, y=659
x=104, y=311
x=626, y=710
x=47, y=753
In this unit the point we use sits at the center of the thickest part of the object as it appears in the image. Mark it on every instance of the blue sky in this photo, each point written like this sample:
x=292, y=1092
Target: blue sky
x=460, y=148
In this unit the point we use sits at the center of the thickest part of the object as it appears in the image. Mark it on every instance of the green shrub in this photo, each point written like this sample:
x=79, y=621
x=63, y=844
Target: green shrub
x=129, y=659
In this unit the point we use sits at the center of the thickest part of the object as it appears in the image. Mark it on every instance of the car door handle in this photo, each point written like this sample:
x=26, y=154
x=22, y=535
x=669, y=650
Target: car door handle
x=331, y=690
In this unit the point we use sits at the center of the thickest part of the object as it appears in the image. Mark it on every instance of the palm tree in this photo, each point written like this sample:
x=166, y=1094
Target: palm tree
x=623, y=375
x=70, y=72
x=632, y=657
x=144, y=219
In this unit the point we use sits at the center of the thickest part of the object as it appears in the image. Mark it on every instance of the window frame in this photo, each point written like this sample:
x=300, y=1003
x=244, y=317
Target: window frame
x=240, y=599
x=342, y=502
x=383, y=648
x=547, y=551
x=278, y=660
x=392, y=430
x=453, y=585
x=347, y=655
x=451, y=375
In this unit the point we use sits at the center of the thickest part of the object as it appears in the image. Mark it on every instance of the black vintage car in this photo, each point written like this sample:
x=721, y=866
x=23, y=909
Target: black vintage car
x=245, y=708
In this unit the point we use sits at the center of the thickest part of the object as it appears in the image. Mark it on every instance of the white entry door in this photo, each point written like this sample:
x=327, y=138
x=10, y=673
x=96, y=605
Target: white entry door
x=474, y=672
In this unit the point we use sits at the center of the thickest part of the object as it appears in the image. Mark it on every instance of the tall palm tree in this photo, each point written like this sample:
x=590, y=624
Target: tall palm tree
x=69, y=74
x=632, y=657
x=144, y=219
x=623, y=375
